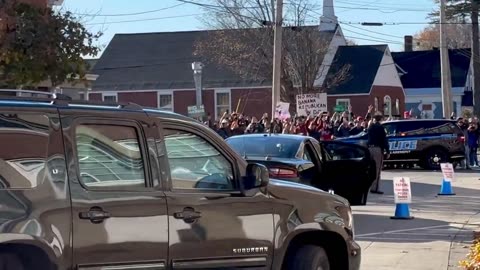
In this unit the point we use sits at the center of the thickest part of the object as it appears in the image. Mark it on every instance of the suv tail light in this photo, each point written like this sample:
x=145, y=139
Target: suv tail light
x=283, y=173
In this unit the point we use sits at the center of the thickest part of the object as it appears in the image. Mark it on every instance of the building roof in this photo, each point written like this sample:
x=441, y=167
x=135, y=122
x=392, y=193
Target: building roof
x=162, y=61
x=362, y=63
x=423, y=68
x=90, y=63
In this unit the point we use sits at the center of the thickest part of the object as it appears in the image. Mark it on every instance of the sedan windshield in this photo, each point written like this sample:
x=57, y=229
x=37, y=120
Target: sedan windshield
x=264, y=146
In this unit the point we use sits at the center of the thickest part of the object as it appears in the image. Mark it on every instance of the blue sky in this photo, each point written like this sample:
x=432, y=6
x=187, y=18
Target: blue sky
x=181, y=17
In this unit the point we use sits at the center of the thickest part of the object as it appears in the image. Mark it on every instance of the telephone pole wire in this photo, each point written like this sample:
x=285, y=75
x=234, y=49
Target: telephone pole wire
x=445, y=66
x=277, y=56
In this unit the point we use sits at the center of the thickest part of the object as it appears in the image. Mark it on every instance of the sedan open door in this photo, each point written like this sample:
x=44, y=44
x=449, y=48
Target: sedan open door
x=351, y=168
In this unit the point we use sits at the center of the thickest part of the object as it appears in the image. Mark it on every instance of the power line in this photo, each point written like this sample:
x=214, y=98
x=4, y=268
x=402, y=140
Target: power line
x=375, y=32
x=379, y=4
x=358, y=33
x=217, y=6
x=383, y=10
x=129, y=14
x=144, y=20
x=374, y=40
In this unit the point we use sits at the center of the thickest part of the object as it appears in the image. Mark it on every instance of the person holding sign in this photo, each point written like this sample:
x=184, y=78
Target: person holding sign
x=378, y=145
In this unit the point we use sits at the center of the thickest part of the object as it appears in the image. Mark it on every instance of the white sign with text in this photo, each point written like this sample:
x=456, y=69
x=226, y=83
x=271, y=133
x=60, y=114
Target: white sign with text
x=311, y=104
x=282, y=110
x=402, y=190
x=447, y=171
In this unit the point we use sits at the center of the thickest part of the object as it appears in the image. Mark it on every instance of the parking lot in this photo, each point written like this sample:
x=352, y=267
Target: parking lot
x=438, y=236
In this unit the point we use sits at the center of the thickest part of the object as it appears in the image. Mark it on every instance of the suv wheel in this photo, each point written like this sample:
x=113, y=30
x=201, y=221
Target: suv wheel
x=434, y=158
x=309, y=258
x=10, y=261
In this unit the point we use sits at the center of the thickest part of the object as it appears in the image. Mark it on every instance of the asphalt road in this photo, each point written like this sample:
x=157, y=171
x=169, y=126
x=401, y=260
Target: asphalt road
x=438, y=236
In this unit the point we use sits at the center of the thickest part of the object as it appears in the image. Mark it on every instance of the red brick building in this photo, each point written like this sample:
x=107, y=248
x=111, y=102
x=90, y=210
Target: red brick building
x=372, y=79
x=154, y=69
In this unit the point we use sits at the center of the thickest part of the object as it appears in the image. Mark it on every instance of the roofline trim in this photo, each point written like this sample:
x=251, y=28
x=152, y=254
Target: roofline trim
x=181, y=89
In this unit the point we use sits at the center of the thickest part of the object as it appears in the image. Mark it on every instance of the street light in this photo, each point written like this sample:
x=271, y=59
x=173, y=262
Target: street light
x=197, y=68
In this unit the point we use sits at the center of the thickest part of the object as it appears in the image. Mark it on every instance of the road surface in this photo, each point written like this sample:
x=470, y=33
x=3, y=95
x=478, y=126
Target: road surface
x=438, y=236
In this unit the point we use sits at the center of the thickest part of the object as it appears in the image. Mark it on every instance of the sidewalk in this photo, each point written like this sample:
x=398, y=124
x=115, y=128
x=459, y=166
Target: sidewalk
x=437, y=238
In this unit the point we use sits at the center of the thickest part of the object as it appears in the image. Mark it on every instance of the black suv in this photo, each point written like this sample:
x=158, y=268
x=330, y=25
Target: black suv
x=426, y=143
x=111, y=186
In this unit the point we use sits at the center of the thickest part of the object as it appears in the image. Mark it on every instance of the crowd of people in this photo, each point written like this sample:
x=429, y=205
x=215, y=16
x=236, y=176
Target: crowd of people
x=324, y=126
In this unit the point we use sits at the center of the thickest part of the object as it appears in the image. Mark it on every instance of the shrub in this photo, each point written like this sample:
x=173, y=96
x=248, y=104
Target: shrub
x=472, y=261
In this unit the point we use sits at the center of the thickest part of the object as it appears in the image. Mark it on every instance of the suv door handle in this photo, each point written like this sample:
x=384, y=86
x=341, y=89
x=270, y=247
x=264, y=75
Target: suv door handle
x=189, y=215
x=96, y=215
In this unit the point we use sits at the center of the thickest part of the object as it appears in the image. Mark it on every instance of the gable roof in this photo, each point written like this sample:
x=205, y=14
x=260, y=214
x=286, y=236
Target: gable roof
x=423, y=68
x=362, y=62
x=163, y=61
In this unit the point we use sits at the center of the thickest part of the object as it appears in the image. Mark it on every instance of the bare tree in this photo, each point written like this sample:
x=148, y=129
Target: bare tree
x=244, y=43
x=458, y=36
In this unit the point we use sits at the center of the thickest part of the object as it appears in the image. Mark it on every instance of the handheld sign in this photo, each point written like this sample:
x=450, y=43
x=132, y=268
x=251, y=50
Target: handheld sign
x=282, y=110
x=447, y=171
x=402, y=190
x=311, y=104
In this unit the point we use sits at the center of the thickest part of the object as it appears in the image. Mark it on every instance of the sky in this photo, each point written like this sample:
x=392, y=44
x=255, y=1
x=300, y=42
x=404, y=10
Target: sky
x=405, y=17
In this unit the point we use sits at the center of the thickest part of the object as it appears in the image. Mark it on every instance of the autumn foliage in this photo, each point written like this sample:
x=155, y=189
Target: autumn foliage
x=39, y=44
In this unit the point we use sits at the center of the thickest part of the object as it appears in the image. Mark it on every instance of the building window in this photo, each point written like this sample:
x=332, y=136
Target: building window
x=387, y=106
x=165, y=102
x=344, y=102
x=375, y=105
x=110, y=97
x=397, y=106
x=222, y=103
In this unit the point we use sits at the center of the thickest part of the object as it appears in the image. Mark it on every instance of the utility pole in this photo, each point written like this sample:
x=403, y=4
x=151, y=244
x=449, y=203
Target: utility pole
x=475, y=58
x=277, y=56
x=445, y=65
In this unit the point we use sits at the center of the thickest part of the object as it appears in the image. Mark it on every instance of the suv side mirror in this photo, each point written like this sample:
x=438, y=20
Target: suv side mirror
x=257, y=176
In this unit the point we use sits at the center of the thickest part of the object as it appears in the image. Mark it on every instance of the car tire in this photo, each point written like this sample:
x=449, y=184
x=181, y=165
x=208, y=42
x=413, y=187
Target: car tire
x=434, y=157
x=309, y=257
x=10, y=261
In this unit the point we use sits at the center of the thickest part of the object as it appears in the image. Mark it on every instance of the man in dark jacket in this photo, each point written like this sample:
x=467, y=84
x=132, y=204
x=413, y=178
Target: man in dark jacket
x=378, y=146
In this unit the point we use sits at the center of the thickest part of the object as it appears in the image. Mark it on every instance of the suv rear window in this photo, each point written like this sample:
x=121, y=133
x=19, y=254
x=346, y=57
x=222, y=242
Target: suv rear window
x=264, y=146
x=419, y=127
x=23, y=150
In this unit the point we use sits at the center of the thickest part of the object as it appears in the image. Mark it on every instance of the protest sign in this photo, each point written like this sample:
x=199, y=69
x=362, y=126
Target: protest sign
x=282, y=110
x=447, y=171
x=402, y=190
x=311, y=104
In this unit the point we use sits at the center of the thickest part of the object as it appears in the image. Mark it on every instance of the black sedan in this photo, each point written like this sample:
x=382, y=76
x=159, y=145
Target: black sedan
x=346, y=169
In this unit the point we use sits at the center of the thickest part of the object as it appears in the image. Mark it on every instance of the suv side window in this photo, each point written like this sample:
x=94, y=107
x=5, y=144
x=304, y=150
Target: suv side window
x=390, y=129
x=442, y=128
x=412, y=128
x=109, y=156
x=24, y=141
x=195, y=163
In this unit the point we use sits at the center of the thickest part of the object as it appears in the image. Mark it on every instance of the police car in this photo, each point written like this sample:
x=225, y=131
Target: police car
x=426, y=143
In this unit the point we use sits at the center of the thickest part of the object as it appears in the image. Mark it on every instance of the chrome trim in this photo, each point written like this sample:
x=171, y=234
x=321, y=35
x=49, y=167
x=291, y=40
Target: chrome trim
x=221, y=263
x=153, y=266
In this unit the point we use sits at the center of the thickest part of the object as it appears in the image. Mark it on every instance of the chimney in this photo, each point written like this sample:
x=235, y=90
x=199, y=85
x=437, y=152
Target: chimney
x=408, y=43
x=328, y=21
